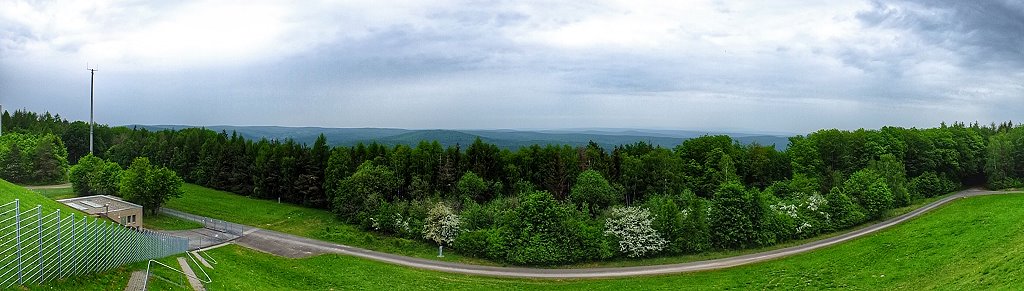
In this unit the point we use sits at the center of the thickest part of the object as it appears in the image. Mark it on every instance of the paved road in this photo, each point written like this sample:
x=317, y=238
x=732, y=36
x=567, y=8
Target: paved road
x=65, y=185
x=294, y=246
x=200, y=238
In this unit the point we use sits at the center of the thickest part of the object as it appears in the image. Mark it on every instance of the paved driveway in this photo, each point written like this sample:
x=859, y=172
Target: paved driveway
x=201, y=237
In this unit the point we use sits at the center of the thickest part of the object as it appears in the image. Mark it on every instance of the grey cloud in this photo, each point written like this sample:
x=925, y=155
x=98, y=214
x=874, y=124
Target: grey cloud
x=984, y=33
x=465, y=65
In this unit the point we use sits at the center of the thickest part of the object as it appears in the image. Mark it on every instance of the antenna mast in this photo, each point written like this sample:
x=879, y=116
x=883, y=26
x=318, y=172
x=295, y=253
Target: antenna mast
x=92, y=84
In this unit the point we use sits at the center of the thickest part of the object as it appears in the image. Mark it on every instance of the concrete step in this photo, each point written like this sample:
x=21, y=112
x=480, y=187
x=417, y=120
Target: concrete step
x=137, y=282
x=196, y=284
x=202, y=260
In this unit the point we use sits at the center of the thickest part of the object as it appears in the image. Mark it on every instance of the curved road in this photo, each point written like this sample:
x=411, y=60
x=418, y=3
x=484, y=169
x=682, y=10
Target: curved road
x=294, y=246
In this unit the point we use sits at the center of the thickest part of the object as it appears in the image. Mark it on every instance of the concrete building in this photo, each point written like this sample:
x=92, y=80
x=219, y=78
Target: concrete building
x=120, y=211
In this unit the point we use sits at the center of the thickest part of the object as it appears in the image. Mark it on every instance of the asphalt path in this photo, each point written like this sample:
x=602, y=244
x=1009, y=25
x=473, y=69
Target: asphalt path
x=294, y=246
x=42, y=187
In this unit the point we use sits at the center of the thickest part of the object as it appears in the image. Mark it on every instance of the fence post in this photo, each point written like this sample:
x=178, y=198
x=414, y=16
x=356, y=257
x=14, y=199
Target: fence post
x=71, y=248
x=108, y=251
x=17, y=236
x=39, y=234
x=59, y=253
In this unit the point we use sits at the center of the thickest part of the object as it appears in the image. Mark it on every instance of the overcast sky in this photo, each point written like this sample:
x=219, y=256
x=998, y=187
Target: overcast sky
x=789, y=66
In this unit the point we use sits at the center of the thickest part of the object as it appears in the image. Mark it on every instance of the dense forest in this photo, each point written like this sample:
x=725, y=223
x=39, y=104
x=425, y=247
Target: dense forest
x=557, y=204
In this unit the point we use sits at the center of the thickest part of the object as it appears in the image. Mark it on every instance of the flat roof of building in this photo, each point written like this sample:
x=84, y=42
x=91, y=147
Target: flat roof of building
x=98, y=204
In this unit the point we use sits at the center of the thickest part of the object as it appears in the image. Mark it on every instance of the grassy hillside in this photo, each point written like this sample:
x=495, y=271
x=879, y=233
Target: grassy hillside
x=110, y=280
x=323, y=225
x=28, y=198
x=975, y=243
x=313, y=223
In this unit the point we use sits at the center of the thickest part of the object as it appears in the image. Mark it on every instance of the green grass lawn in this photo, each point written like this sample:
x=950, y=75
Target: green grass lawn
x=975, y=243
x=323, y=225
x=117, y=279
x=166, y=222
x=28, y=198
x=114, y=279
x=298, y=220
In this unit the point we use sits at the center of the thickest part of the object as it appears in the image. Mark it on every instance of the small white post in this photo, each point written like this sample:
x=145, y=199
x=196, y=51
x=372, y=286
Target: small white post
x=440, y=251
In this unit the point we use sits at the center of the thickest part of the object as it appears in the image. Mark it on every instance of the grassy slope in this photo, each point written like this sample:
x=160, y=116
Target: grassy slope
x=28, y=199
x=167, y=222
x=975, y=243
x=321, y=224
x=56, y=193
x=297, y=220
x=114, y=279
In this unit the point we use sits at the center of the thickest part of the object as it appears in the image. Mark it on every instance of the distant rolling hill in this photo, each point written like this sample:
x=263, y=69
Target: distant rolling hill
x=511, y=139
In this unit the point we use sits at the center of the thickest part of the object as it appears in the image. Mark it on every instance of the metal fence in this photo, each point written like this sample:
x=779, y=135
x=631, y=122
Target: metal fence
x=210, y=223
x=38, y=247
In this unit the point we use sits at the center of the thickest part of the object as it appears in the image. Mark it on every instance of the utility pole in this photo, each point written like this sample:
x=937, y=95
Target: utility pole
x=92, y=84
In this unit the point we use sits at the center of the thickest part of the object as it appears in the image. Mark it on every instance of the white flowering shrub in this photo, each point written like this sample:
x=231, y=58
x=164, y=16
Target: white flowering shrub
x=788, y=209
x=632, y=227
x=441, y=225
x=800, y=228
x=807, y=213
x=397, y=224
x=816, y=201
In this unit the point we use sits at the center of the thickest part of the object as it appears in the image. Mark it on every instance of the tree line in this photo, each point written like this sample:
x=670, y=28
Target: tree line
x=33, y=158
x=557, y=204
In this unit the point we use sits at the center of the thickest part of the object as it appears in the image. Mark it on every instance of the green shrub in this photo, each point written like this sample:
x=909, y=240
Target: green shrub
x=359, y=195
x=593, y=192
x=542, y=231
x=473, y=243
x=669, y=221
x=472, y=187
x=736, y=217
x=476, y=216
x=929, y=184
x=894, y=175
x=870, y=191
x=148, y=185
x=81, y=174
x=1007, y=183
x=389, y=218
x=843, y=212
